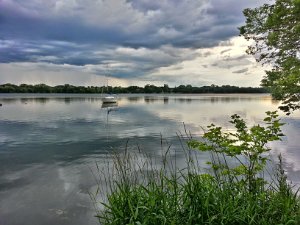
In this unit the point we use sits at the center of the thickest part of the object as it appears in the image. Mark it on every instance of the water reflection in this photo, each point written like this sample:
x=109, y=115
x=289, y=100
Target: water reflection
x=134, y=98
x=109, y=108
x=166, y=100
x=109, y=105
x=48, y=143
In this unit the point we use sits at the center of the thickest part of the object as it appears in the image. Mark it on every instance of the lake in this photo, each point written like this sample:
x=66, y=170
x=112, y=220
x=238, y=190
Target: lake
x=50, y=144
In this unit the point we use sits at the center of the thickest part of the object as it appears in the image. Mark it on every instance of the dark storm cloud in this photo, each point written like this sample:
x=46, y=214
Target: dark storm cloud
x=82, y=32
x=26, y=27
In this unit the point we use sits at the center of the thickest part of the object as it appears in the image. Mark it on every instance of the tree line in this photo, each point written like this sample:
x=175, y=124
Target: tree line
x=149, y=88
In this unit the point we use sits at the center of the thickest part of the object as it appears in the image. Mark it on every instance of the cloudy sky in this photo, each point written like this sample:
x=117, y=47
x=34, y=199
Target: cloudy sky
x=136, y=42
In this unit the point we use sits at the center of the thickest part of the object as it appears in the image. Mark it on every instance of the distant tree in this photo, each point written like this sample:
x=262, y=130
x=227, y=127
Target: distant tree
x=149, y=88
x=275, y=28
x=134, y=89
x=180, y=89
x=67, y=88
x=166, y=88
x=8, y=88
x=42, y=88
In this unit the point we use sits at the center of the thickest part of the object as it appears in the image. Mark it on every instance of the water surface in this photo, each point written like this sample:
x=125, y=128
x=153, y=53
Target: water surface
x=50, y=143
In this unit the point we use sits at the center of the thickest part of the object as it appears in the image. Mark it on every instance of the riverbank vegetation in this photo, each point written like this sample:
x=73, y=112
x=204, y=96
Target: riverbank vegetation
x=275, y=30
x=67, y=88
x=234, y=190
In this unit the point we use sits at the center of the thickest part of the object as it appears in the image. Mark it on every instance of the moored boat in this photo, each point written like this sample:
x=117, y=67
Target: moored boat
x=110, y=99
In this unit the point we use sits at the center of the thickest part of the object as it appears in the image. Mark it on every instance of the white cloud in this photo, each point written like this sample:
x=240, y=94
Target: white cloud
x=226, y=63
x=216, y=65
x=144, y=41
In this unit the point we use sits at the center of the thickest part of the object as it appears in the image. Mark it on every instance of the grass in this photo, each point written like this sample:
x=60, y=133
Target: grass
x=145, y=194
x=141, y=191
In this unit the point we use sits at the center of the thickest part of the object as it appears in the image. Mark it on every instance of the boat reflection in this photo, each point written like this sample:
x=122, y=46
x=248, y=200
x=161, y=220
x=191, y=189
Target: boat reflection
x=109, y=106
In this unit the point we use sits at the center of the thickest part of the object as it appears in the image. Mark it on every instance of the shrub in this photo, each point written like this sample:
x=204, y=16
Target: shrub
x=144, y=193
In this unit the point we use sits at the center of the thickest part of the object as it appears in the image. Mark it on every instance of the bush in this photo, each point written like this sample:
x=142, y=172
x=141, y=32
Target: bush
x=143, y=193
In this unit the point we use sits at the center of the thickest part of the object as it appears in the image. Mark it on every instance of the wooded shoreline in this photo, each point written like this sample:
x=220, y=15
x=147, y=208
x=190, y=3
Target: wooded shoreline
x=185, y=89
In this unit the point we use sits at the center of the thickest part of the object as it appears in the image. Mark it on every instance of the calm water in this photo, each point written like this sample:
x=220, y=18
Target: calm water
x=50, y=143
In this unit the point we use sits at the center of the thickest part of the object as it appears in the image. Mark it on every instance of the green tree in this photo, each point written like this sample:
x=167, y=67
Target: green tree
x=247, y=145
x=166, y=88
x=275, y=29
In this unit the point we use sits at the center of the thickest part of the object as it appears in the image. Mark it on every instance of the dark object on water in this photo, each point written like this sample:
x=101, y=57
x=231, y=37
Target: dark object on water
x=0, y=104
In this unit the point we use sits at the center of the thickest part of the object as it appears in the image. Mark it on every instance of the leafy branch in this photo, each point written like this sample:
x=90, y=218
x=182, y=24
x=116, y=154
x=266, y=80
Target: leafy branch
x=247, y=145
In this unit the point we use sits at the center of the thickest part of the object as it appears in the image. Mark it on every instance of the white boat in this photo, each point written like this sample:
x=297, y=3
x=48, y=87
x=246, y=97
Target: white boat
x=109, y=99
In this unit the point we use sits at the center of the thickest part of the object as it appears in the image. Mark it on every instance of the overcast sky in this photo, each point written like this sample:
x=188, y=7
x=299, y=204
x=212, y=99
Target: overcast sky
x=136, y=42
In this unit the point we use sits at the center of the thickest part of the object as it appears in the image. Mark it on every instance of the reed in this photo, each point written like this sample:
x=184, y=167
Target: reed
x=141, y=190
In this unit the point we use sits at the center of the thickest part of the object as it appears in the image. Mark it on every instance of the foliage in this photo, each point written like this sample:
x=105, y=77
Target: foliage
x=247, y=145
x=142, y=193
x=67, y=88
x=199, y=199
x=275, y=28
